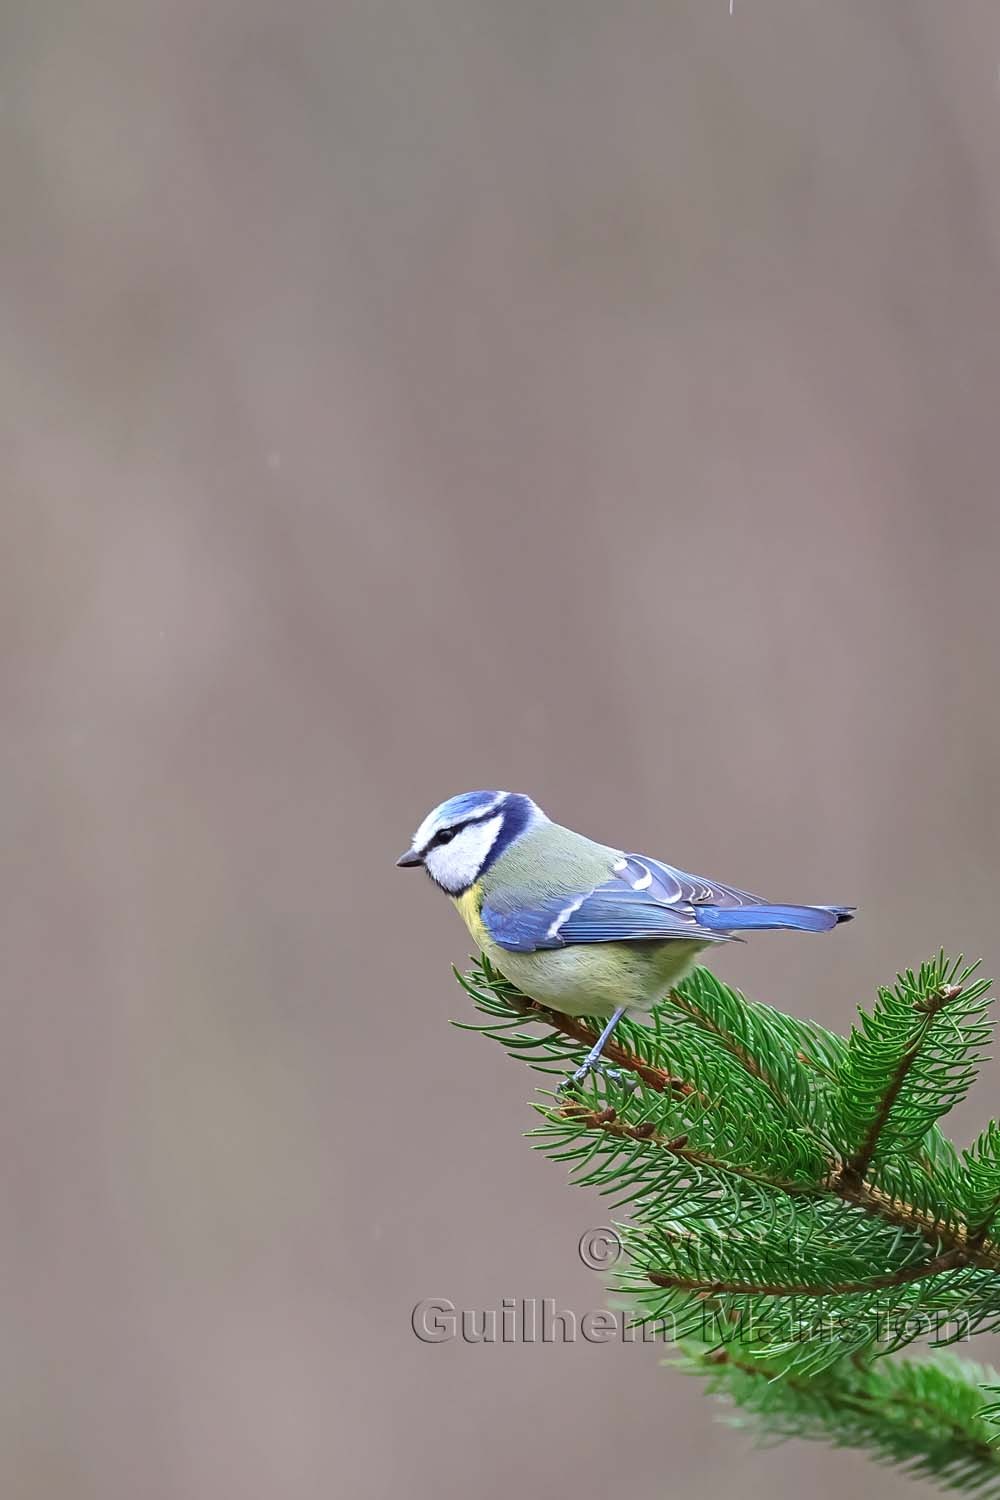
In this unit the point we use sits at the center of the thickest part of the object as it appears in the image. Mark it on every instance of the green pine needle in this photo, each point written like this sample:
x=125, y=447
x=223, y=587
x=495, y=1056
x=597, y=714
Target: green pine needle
x=793, y=1215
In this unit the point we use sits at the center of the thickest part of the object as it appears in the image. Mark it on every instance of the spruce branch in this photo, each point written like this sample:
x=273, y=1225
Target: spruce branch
x=910, y=1061
x=982, y=1196
x=901, y=1277
x=928, y=1418
x=607, y=1120
x=794, y=1213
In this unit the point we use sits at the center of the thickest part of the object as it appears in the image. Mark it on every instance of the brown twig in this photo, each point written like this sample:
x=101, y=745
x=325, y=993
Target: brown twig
x=945, y=1262
x=974, y=1251
x=677, y=1145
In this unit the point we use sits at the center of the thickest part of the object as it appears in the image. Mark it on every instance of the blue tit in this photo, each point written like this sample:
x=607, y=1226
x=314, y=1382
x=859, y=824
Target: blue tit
x=581, y=927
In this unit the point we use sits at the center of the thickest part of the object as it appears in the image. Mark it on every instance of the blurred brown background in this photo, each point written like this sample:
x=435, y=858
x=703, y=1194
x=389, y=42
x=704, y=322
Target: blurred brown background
x=599, y=401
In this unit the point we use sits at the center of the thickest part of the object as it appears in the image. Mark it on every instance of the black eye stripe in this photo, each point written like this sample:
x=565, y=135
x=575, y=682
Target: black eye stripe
x=447, y=834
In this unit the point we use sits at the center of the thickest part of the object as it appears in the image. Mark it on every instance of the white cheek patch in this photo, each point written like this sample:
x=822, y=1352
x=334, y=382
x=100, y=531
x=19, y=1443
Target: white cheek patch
x=456, y=865
x=434, y=821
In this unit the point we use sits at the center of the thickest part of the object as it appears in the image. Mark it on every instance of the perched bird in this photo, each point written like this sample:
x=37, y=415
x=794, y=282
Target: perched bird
x=581, y=927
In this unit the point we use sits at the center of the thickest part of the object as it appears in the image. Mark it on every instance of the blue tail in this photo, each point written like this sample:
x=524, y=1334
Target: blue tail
x=760, y=918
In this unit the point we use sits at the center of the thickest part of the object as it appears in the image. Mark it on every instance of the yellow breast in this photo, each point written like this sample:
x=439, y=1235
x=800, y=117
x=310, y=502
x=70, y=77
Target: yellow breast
x=469, y=904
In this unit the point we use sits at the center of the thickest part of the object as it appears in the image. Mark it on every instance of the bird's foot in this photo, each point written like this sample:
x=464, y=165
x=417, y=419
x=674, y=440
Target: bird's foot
x=624, y=1080
x=592, y=1062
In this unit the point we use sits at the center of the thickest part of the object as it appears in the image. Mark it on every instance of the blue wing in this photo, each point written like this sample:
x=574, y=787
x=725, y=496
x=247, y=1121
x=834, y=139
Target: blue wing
x=645, y=899
x=642, y=899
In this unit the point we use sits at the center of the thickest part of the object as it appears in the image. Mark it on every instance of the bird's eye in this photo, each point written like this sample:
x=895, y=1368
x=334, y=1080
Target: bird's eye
x=446, y=835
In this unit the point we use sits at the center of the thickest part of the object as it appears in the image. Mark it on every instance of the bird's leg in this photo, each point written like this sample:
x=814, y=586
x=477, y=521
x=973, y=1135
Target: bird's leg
x=592, y=1060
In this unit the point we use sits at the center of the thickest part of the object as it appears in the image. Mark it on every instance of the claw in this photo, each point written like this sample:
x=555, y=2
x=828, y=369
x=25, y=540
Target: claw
x=623, y=1080
x=567, y=1086
x=587, y=1067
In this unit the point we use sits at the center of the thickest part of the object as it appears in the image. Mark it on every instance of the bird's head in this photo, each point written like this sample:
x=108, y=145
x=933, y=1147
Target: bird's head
x=460, y=839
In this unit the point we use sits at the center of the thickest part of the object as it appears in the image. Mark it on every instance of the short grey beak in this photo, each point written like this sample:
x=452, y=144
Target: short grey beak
x=409, y=858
